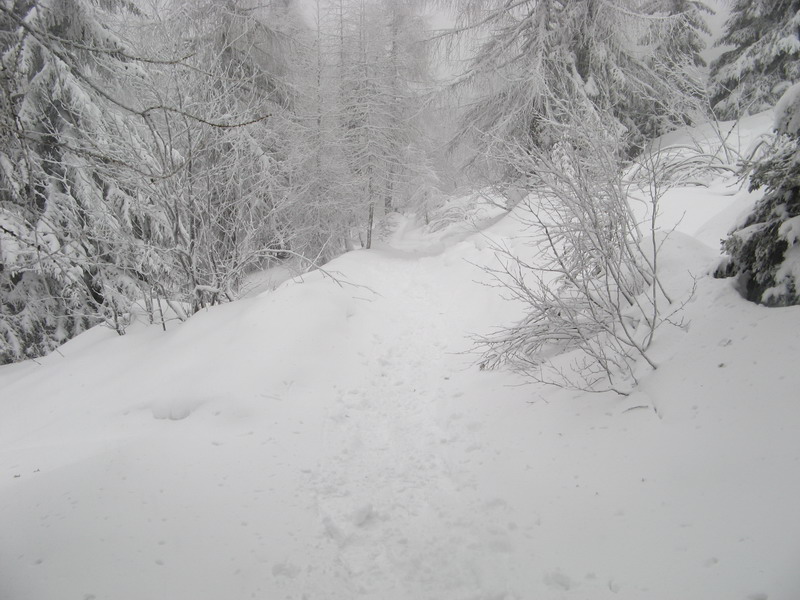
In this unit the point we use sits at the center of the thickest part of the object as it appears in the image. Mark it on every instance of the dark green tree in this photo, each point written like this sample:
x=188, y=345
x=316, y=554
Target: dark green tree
x=764, y=251
x=764, y=60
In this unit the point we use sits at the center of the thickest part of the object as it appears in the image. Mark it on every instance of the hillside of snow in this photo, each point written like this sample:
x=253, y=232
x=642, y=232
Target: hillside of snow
x=334, y=438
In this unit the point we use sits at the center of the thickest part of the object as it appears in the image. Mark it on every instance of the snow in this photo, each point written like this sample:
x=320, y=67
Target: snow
x=787, y=111
x=270, y=279
x=333, y=438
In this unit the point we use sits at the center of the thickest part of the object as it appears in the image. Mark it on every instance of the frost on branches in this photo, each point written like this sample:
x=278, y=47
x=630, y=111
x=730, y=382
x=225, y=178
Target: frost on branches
x=633, y=61
x=764, y=251
x=126, y=181
x=569, y=93
x=764, y=60
x=61, y=208
x=593, y=295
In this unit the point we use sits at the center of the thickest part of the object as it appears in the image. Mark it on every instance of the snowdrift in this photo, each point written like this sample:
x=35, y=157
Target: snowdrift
x=334, y=438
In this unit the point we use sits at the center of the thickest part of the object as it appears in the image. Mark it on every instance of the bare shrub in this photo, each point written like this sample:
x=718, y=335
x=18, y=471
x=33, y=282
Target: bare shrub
x=592, y=288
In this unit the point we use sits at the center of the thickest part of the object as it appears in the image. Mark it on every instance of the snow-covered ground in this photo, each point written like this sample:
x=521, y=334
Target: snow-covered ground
x=334, y=439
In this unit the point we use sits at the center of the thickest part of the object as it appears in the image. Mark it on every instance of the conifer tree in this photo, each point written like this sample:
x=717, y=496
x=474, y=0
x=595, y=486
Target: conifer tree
x=764, y=250
x=677, y=43
x=129, y=174
x=575, y=90
x=382, y=66
x=764, y=60
x=66, y=259
x=320, y=193
x=540, y=53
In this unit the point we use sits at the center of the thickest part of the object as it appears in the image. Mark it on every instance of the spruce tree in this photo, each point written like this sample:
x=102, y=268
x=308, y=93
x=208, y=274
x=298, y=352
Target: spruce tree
x=66, y=257
x=126, y=179
x=765, y=249
x=606, y=55
x=677, y=36
x=764, y=60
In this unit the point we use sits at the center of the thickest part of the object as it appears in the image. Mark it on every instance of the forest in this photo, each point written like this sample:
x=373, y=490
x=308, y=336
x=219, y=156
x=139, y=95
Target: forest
x=399, y=299
x=155, y=153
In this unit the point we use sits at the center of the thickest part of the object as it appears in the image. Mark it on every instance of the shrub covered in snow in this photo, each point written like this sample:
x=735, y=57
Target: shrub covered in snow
x=764, y=250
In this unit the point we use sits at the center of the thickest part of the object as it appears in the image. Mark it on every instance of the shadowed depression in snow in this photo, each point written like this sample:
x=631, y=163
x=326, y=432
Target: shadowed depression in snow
x=399, y=300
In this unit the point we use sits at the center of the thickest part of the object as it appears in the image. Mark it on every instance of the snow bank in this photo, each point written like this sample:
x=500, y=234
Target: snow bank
x=333, y=439
x=787, y=112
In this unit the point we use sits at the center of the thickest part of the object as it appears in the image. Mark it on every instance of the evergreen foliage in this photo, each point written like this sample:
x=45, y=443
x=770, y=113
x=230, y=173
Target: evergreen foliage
x=152, y=155
x=765, y=250
x=67, y=259
x=679, y=39
x=764, y=60
x=676, y=57
x=613, y=56
x=123, y=180
x=383, y=73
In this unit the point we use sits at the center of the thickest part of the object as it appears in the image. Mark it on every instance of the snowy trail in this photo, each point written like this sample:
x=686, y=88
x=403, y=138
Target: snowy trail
x=343, y=481
x=335, y=442
x=415, y=498
x=384, y=484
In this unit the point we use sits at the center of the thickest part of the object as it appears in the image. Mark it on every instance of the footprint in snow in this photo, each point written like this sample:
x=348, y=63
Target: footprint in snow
x=557, y=580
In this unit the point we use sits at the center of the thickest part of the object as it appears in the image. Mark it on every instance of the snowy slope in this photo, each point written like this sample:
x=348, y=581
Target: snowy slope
x=334, y=439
